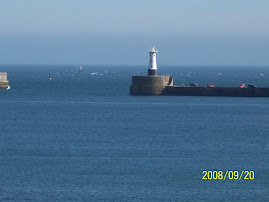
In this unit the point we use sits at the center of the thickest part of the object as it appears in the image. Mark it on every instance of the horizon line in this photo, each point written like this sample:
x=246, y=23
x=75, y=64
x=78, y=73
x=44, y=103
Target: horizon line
x=139, y=65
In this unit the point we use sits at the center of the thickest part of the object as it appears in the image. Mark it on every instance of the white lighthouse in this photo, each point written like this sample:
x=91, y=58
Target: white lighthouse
x=152, y=62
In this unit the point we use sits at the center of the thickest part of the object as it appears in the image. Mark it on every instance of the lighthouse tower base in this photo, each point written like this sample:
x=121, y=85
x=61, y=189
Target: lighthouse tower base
x=152, y=72
x=150, y=85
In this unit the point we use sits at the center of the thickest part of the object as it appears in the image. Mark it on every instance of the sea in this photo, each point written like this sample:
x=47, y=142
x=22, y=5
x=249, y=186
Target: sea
x=81, y=137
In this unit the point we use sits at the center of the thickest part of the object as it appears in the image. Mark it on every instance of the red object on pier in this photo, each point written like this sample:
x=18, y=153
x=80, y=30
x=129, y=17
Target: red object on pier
x=242, y=86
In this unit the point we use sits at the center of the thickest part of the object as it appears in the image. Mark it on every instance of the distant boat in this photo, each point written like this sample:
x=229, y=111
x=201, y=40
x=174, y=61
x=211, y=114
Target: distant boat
x=8, y=87
x=80, y=69
x=49, y=77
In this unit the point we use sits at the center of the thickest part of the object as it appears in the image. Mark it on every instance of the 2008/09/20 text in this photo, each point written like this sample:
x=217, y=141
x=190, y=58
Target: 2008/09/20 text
x=229, y=175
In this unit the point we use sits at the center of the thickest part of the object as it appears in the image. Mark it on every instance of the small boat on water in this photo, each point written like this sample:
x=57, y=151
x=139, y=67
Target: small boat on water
x=80, y=69
x=8, y=87
x=49, y=77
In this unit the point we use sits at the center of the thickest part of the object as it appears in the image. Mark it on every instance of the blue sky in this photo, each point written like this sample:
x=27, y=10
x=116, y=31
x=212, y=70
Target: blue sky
x=186, y=32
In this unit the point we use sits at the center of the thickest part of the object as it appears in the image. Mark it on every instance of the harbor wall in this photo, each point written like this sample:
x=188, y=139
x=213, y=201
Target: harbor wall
x=163, y=85
x=3, y=80
x=150, y=85
x=216, y=91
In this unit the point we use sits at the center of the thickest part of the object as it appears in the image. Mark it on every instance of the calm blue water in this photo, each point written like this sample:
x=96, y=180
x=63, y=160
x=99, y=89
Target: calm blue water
x=81, y=136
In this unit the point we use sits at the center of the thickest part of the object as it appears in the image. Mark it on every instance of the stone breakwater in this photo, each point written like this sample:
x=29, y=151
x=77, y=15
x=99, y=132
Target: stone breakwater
x=3, y=80
x=150, y=85
x=163, y=85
